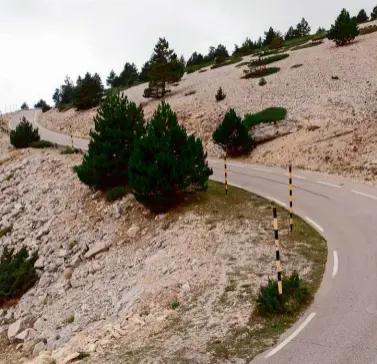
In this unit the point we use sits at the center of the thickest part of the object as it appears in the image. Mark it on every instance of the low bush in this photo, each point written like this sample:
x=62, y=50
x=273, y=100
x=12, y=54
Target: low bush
x=201, y=71
x=233, y=135
x=297, y=65
x=271, y=59
x=83, y=356
x=265, y=116
x=334, y=77
x=17, y=274
x=345, y=29
x=227, y=62
x=175, y=304
x=308, y=45
x=262, y=72
x=115, y=193
x=318, y=37
x=193, y=92
x=294, y=294
x=8, y=229
x=42, y=144
x=166, y=163
x=24, y=135
x=69, y=150
x=262, y=82
x=220, y=95
x=42, y=104
x=367, y=30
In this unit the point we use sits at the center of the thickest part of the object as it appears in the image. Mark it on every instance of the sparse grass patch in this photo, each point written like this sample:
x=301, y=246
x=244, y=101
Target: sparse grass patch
x=5, y=231
x=297, y=65
x=69, y=320
x=191, y=69
x=268, y=60
x=308, y=45
x=42, y=144
x=83, y=356
x=367, y=30
x=175, y=304
x=70, y=150
x=9, y=177
x=193, y=92
x=227, y=62
x=261, y=73
x=262, y=82
x=266, y=116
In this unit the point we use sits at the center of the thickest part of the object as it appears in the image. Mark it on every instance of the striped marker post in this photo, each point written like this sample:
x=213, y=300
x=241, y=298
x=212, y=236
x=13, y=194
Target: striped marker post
x=278, y=264
x=226, y=175
x=290, y=199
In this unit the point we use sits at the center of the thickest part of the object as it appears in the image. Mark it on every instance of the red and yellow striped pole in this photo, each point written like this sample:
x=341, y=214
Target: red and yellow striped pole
x=278, y=264
x=290, y=198
x=226, y=174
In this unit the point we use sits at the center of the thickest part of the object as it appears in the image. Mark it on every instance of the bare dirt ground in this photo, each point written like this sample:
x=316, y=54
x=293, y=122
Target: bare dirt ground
x=342, y=112
x=210, y=256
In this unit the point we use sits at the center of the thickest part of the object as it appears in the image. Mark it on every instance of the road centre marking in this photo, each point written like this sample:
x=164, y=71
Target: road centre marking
x=328, y=184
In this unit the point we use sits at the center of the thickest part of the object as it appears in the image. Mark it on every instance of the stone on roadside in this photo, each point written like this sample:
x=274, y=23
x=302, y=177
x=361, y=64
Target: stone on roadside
x=133, y=231
x=39, y=264
x=95, y=249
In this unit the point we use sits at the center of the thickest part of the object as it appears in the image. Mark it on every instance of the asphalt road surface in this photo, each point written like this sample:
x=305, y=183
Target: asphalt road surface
x=341, y=325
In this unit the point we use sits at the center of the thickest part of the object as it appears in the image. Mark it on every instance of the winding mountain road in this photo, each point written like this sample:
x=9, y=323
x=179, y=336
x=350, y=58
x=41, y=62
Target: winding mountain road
x=340, y=327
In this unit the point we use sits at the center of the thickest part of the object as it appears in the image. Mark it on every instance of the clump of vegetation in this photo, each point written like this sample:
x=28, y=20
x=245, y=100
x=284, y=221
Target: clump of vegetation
x=165, y=69
x=166, y=162
x=175, y=304
x=63, y=96
x=24, y=106
x=42, y=144
x=8, y=229
x=345, y=30
x=118, y=124
x=264, y=61
x=201, y=71
x=220, y=95
x=88, y=92
x=227, y=62
x=367, y=30
x=83, y=356
x=265, y=116
x=262, y=81
x=69, y=150
x=24, y=134
x=334, y=77
x=192, y=92
x=233, y=135
x=297, y=65
x=308, y=45
x=69, y=320
x=294, y=294
x=127, y=78
x=115, y=193
x=362, y=17
x=261, y=72
x=373, y=14
x=17, y=274
x=42, y=104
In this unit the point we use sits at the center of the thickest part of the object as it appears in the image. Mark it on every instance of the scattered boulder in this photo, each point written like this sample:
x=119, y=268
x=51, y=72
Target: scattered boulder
x=15, y=328
x=26, y=335
x=70, y=358
x=133, y=231
x=39, y=264
x=39, y=347
x=95, y=249
x=265, y=132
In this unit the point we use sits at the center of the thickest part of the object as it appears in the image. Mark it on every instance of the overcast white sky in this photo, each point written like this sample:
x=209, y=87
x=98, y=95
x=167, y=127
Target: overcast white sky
x=41, y=41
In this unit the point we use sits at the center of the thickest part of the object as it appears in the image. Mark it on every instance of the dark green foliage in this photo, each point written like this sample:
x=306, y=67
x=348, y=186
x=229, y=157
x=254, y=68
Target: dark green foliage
x=88, y=92
x=167, y=162
x=191, y=69
x=368, y=30
x=320, y=30
x=165, y=68
x=8, y=229
x=24, y=106
x=42, y=144
x=195, y=60
x=127, y=78
x=220, y=95
x=42, y=104
x=269, y=36
x=144, y=73
x=344, y=30
x=308, y=45
x=232, y=135
x=227, y=62
x=83, y=356
x=303, y=28
x=262, y=72
x=294, y=294
x=362, y=17
x=17, y=274
x=268, y=60
x=318, y=37
x=373, y=14
x=334, y=77
x=262, y=82
x=69, y=150
x=118, y=124
x=276, y=43
x=111, y=79
x=175, y=304
x=247, y=47
x=24, y=135
x=291, y=34
x=116, y=192
x=63, y=96
x=265, y=116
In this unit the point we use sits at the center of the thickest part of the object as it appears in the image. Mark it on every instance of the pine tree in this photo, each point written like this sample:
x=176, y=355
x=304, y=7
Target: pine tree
x=182, y=61
x=56, y=96
x=88, y=92
x=373, y=14
x=129, y=75
x=118, y=124
x=232, y=135
x=166, y=161
x=291, y=34
x=303, y=28
x=144, y=73
x=362, y=17
x=112, y=79
x=24, y=134
x=269, y=36
x=344, y=30
x=42, y=104
x=276, y=43
x=24, y=106
x=163, y=70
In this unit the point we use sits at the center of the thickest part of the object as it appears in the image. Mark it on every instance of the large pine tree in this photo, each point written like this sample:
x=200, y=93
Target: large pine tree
x=117, y=126
x=166, y=161
x=164, y=69
x=344, y=30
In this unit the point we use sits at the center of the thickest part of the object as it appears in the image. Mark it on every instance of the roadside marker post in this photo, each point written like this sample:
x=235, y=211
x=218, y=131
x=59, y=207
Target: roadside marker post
x=290, y=198
x=278, y=264
x=226, y=174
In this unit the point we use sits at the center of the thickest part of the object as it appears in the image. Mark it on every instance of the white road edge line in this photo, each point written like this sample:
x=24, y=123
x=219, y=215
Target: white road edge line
x=292, y=336
x=314, y=224
x=295, y=176
x=364, y=194
x=276, y=200
x=328, y=184
x=261, y=170
x=336, y=264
